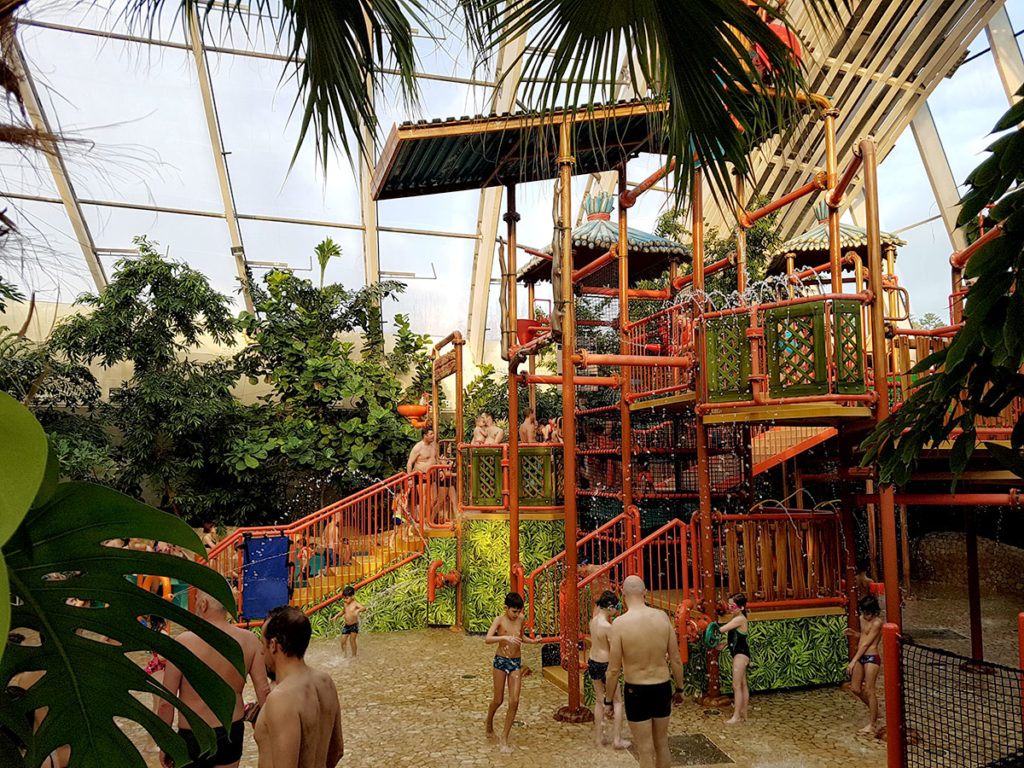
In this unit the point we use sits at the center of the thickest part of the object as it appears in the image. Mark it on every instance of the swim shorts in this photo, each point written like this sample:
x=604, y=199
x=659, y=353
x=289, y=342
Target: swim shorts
x=227, y=751
x=644, y=702
x=350, y=629
x=507, y=665
x=597, y=669
x=870, y=658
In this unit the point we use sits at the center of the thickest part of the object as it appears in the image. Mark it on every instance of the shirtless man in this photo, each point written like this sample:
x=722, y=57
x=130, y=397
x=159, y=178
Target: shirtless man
x=424, y=454
x=528, y=429
x=229, y=741
x=494, y=434
x=300, y=725
x=597, y=666
x=643, y=643
x=866, y=662
x=479, y=430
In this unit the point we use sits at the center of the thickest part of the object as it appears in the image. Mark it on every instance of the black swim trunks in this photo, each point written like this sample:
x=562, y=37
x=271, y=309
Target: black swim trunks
x=350, y=629
x=644, y=702
x=228, y=750
x=597, y=669
x=870, y=658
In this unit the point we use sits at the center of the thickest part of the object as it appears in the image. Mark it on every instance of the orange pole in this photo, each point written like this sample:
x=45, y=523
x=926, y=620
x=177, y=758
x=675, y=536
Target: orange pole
x=588, y=269
x=835, y=196
x=960, y=258
x=586, y=359
x=886, y=503
x=625, y=373
x=511, y=218
x=628, y=199
x=532, y=358
x=895, y=730
x=459, y=437
x=717, y=266
x=633, y=293
x=747, y=220
x=571, y=630
x=834, y=245
x=580, y=381
x=741, y=239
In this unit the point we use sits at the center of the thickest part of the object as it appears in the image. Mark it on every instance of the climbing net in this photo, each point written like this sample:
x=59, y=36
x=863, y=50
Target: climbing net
x=959, y=712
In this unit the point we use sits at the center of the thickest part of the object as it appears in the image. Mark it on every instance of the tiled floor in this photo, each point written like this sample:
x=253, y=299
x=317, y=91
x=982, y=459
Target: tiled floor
x=419, y=699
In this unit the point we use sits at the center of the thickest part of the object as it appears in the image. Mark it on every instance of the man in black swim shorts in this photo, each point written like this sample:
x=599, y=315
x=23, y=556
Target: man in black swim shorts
x=643, y=644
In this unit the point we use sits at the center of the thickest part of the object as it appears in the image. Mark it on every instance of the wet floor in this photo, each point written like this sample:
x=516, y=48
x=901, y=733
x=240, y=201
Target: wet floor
x=419, y=699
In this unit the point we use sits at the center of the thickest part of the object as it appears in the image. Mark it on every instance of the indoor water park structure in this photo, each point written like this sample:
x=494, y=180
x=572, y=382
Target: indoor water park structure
x=676, y=402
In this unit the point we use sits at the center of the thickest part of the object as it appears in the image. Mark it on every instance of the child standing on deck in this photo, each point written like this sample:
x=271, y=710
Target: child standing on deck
x=866, y=662
x=735, y=631
x=597, y=666
x=351, y=613
x=507, y=631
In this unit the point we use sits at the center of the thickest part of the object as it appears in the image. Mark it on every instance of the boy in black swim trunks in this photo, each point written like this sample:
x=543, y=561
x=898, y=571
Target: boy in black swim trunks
x=866, y=662
x=597, y=667
x=507, y=631
x=351, y=611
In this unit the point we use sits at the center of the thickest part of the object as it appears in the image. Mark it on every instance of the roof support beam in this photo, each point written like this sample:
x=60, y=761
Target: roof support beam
x=367, y=205
x=219, y=158
x=61, y=177
x=489, y=212
x=936, y=165
x=1006, y=52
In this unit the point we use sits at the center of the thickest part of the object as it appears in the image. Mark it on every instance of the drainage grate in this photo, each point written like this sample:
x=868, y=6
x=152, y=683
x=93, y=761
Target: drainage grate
x=697, y=749
x=932, y=633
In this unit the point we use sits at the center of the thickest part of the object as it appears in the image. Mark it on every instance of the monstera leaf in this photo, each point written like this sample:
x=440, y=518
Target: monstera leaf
x=55, y=559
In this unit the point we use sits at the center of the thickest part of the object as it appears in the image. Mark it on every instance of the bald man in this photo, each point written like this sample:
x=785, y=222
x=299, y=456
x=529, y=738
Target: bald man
x=229, y=741
x=643, y=644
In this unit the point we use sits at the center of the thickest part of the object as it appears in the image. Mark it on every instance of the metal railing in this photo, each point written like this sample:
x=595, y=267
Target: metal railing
x=485, y=476
x=667, y=333
x=545, y=584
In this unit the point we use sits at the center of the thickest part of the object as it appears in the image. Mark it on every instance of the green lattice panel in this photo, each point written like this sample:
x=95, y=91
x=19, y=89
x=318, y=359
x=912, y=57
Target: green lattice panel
x=486, y=478
x=849, y=340
x=795, y=349
x=728, y=358
x=536, y=484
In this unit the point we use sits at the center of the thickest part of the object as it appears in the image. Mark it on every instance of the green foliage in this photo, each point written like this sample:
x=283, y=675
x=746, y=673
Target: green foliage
x=787, y=653
x=928, y=322
x=484, y=572
x=9, y=292
x=394, y=602
x=86, y=681
x=977, y=375
x=487, y=392
x=442, y=610
x=332, y=408
x=326, y=250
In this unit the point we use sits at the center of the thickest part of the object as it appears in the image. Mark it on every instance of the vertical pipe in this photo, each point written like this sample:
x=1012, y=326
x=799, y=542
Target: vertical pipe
x=533, y=357
x=904, y=547
x=973, y=587
x=571, y=632
x=625, y=371
x=511, y=217
x=895, y=733
x=707, y=555
x=832, y=173
x=741, y=238
x=434, y=407
x=869, y=487
x=886, y=502
x=956, y=310
x=790, y=288
x=890, y=270
x=849, y=542
x=459, y=437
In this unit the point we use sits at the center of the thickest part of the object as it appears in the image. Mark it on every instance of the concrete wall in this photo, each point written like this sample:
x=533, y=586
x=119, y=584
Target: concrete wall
x=942, y=558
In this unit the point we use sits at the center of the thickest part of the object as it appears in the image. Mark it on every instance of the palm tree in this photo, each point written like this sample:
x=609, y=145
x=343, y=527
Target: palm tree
x=325, y=251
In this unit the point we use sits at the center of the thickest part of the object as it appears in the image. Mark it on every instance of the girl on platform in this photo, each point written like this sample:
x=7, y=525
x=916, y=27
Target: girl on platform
x=735, y=631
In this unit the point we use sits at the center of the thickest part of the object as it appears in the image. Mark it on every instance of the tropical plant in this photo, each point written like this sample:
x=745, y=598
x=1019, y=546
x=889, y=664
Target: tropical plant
x=978, y=374
x=331, y=412
x=928, y=322
x=326, y=250
x=73, y=606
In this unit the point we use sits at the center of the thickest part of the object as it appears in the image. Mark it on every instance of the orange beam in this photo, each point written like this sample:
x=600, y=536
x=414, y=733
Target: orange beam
x=959, y=259
x=747, y=220
x=585, y=359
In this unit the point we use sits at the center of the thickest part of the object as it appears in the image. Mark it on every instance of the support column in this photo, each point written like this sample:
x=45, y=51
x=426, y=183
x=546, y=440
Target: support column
x=832, y=173
x=533, y=357
x=459, y=436
x=575, y=712
x=940, y=176
x=973, y=587
x=849, y=539
x=511, y=218
x=625, y=371
x=1006, y=53
x=741, y=239
x=886, y=502
x=707, y=554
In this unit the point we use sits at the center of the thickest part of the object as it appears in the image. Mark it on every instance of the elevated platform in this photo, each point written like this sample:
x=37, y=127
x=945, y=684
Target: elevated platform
x=778, y=444
x=791, y=413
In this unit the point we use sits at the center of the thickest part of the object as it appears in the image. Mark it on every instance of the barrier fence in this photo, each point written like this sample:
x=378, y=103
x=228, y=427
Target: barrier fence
x=958, y=712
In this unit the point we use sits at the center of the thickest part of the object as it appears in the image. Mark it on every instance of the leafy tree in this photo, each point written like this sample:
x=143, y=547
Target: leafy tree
x=928, y=322
x=331, y=414
x=174, y=415
x=978, y=374
x=325, y=251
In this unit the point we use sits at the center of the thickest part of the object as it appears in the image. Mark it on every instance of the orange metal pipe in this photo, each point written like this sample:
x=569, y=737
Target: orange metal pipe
x=947, y=330
x=716, y=266
x=634, y=293
x=580, y=381
x=959, y=259
x=864, y=297
x=835, y=197
x=588, y=269
x=747, y=220
x=741, y=240
x=625, y=416
x=585, y=359
x=895, y=733
x=511, y=218
x=1012, y=499
x=539, y=254
x=628, y=199
x=831, y=170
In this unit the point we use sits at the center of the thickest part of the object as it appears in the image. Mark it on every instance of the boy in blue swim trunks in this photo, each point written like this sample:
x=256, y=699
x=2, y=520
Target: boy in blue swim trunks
x=866, y=662
x=351, y=611
x=507, y=631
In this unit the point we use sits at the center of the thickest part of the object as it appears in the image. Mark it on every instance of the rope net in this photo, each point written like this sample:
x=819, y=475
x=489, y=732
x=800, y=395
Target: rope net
x=960, y=713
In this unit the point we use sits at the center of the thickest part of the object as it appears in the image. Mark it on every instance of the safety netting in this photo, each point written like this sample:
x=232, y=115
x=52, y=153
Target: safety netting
x=960, y=713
